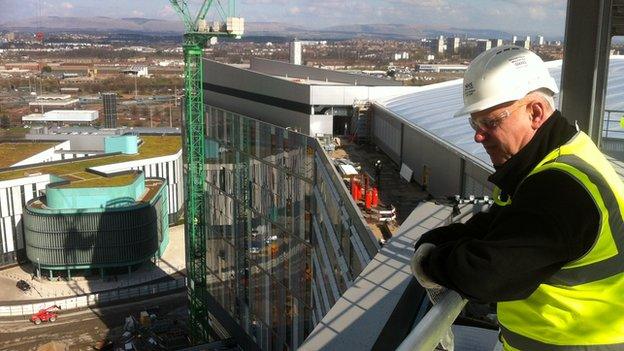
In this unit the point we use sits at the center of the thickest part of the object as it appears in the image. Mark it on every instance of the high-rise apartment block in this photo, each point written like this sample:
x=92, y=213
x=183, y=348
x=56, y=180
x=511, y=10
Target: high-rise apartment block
x=109, y=101
x=483, y=45
x=437, y=45
x=452, y=46
x=296, y=52
x=496, y=42
x=540, y=40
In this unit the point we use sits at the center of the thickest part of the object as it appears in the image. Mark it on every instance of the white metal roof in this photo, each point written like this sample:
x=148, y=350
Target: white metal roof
x=432, y=108
x=63, y=116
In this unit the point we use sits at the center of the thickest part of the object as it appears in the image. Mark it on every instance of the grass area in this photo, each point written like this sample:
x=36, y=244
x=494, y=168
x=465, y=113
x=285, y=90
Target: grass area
x=102, y=182
x=11, y=153
x=85, y=175
x=13, y=133
x=153, y=146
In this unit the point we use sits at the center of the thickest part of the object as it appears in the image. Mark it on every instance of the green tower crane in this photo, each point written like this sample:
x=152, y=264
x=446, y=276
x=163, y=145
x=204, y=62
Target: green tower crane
x=197, y=35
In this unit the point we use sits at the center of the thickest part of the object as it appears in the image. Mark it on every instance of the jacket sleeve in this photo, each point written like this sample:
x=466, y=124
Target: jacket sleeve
x=476, y=227
x=552, y=220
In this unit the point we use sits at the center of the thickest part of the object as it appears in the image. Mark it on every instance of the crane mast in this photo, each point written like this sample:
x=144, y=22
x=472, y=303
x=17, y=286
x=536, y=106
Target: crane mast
x=196, y=36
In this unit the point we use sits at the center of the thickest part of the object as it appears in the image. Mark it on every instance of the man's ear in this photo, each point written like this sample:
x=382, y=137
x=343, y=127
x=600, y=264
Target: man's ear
x=537, y=113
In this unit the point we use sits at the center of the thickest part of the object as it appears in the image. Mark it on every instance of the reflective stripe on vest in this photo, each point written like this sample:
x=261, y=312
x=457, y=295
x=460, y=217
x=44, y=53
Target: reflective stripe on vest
x=581, y=307
x=523, y=343
x=576, y=275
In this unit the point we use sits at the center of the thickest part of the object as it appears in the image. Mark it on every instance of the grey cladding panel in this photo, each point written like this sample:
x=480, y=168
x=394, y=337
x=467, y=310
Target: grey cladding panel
x=431, y=161
x=110, y=238
x=387, y=134
x=231, y=77
x=476, y=182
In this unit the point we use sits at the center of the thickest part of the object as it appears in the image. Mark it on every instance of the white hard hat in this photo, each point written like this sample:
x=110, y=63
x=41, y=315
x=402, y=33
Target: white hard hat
x=502, y=74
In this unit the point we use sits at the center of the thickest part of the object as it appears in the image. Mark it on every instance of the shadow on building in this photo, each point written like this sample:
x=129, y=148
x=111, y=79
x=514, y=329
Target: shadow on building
x=111, y=258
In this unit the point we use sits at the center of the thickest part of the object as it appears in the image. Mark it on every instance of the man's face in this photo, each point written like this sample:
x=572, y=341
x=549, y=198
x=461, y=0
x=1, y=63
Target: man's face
x=503, y=129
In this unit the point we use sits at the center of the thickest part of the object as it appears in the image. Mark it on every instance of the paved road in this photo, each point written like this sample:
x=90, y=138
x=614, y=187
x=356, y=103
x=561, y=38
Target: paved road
x=81, y=329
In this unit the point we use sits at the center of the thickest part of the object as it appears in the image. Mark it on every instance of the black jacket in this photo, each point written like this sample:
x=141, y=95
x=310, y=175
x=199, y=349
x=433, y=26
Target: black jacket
x=506, y=253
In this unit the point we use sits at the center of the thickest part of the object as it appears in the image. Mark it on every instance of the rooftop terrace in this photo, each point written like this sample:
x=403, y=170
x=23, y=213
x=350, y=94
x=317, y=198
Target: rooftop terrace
x=152, y=146
x=11, y=153
x=93, y=180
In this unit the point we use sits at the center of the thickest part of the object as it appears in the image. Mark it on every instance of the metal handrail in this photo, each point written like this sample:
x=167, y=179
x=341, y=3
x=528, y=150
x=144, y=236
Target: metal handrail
x=607, y=119
x=427, y=334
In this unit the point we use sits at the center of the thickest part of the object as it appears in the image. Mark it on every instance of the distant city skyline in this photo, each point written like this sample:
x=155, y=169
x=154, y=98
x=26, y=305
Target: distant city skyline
x=546, y=17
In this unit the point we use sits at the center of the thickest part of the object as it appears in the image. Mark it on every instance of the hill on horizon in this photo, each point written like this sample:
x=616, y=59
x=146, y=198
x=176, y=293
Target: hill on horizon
x=258, y=29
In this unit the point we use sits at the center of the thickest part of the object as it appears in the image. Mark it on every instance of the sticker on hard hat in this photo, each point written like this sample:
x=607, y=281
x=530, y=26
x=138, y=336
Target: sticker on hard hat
x=518, y=61
x=468, y=89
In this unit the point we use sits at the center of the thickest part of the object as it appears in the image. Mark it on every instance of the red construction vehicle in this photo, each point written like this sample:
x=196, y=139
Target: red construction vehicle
x=45, y=315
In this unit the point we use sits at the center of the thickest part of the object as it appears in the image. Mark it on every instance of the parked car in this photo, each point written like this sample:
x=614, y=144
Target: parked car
x=23, y=285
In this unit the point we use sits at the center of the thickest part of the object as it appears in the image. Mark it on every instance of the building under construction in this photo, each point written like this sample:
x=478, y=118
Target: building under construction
x=290, y=261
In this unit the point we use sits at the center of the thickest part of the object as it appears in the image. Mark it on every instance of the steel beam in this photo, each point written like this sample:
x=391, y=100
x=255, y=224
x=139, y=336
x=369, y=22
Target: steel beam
x=585, y=64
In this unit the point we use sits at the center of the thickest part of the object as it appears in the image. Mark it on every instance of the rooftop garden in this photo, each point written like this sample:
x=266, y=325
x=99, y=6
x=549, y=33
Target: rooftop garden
x=11, y=153
x=153, y=146
x=101, y=182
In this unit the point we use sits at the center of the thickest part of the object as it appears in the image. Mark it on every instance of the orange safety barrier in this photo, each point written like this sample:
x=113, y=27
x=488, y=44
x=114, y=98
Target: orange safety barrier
x=375, y=200
x=368, y=200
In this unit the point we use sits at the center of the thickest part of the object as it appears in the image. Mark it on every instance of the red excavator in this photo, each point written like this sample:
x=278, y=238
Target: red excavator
x=45, y=315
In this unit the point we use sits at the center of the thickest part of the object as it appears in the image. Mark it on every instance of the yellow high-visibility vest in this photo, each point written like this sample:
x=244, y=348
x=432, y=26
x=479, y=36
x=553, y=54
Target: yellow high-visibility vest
x=581, y=307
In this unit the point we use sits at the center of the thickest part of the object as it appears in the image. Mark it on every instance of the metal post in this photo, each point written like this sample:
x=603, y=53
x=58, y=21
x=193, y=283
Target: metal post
x=38, y=269
x=607, y=126
x=585, y=64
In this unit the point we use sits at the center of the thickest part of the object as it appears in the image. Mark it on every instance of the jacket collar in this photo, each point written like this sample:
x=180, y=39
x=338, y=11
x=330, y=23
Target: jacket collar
x=555, y=132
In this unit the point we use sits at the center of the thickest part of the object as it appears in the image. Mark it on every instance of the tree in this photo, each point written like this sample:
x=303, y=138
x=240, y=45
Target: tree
x=46, y=69
x=5, y=122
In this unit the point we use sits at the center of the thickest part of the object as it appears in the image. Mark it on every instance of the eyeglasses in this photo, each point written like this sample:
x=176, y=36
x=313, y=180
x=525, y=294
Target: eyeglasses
x=492, y=123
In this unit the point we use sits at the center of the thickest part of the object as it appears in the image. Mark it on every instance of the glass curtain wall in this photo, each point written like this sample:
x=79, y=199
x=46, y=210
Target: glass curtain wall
x=276, y=222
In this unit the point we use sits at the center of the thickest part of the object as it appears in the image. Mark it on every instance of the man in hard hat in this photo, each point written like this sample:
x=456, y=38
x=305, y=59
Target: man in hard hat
x=550, y=251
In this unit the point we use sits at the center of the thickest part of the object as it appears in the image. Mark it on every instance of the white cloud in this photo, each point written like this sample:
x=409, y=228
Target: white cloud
x=166, y=12
x=294, y=10
x=264, y=2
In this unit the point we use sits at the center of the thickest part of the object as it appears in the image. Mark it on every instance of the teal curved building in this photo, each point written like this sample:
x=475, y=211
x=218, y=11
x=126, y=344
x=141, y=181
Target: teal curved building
x=107, y=222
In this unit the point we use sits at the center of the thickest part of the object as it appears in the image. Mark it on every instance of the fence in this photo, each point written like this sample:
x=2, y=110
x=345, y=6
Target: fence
x=94, y=299
x=612, y=124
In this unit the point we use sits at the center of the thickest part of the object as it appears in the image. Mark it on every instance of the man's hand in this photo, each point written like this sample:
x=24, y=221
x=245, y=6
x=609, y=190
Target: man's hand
x=416, y=264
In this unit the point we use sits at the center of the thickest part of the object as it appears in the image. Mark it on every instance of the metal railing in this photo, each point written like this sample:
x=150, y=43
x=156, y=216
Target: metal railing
x=427, y=334
x=612, y=124
x=433, y=326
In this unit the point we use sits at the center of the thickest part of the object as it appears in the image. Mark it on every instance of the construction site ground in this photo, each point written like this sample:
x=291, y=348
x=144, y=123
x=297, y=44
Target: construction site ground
x=170, y=264
x=403, y=195
x=81, y=330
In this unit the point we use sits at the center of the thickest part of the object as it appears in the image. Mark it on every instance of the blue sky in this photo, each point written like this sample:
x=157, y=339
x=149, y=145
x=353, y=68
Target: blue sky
x=535, y=16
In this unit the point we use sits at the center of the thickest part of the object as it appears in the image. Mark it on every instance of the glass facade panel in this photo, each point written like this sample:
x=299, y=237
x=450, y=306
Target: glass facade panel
x=268, y=191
